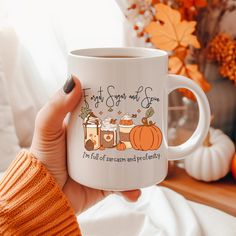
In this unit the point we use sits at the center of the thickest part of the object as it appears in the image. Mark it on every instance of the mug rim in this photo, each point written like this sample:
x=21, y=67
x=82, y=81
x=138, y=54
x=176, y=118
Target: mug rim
x=135, y=53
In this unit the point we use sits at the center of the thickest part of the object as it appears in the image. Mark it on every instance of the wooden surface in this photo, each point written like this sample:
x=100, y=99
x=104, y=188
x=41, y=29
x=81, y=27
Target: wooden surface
x=220, y=194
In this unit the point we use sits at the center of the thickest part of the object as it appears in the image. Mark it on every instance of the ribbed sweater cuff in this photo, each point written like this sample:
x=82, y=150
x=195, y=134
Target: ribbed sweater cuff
x=31, y=202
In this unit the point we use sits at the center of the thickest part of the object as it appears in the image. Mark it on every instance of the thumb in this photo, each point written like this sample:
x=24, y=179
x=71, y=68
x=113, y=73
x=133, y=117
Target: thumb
x=50, y=118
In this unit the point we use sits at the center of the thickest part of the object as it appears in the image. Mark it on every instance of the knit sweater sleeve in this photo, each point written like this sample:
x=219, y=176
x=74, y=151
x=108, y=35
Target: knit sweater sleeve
x=31, y=202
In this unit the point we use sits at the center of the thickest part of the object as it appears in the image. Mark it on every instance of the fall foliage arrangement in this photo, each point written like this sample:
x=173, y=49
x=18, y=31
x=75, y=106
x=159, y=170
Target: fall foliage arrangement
x=189, y=30
x=172, y=26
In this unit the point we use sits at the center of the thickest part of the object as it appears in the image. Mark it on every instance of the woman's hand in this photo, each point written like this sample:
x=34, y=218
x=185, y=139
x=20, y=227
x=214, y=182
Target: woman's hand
x=49, y=146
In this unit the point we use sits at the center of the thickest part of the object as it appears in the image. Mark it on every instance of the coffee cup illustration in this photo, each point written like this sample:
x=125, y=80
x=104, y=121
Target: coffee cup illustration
x=92, y=132
x=125, y=126
x=106, y=134
x=109, y=133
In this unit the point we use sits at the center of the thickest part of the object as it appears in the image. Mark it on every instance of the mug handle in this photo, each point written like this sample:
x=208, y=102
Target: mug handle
x=180, y=151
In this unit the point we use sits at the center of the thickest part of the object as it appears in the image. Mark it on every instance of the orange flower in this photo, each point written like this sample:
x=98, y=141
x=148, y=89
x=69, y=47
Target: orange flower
x=194, y=3
x=222, y=48
x=169, y=32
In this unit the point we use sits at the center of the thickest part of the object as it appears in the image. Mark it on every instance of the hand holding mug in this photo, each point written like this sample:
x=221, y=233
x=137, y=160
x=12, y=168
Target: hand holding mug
x=49, y=146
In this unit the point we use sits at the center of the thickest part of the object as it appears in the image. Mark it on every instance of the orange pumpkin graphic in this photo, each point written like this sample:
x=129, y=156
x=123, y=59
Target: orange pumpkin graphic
x=146, y=136
x=120, y=146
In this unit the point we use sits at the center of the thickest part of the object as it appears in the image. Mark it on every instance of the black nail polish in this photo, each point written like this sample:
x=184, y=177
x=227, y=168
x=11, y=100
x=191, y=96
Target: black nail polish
x=69, y=85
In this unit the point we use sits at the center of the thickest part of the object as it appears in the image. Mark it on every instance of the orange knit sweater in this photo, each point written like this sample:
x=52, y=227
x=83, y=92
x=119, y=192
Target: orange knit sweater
x=31, y=202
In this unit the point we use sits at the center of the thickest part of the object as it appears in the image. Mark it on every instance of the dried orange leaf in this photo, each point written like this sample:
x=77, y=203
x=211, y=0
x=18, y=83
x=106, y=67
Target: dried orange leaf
x=171, y=32
x=181, y=53
x=191, y=71
x=194, y=73
x=175, y=65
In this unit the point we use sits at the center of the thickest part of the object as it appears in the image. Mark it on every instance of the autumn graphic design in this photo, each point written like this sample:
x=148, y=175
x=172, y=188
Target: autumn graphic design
x=120, y=134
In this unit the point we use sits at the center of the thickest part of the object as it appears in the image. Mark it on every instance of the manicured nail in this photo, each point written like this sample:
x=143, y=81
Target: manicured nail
x=69, y=85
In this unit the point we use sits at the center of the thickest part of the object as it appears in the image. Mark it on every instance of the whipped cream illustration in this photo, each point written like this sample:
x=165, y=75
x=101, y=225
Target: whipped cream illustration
x=108, y=125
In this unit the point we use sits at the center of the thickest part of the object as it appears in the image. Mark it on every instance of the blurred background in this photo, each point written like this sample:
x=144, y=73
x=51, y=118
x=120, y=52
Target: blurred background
x=35, y=37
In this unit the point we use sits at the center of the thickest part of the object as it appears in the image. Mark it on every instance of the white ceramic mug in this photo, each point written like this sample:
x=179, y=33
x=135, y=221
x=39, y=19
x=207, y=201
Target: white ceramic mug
x=117, y=136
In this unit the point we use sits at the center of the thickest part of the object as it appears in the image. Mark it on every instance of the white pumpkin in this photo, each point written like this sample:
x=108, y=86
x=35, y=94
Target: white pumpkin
x=211, y=161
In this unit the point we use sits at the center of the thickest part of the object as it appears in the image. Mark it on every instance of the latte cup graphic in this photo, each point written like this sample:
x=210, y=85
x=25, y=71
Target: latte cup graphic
x=92, y=132
x=125, y=126
x=108, y=134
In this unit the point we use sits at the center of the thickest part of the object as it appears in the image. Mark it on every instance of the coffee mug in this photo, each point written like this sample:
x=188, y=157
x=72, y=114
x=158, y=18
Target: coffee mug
x=117, y=135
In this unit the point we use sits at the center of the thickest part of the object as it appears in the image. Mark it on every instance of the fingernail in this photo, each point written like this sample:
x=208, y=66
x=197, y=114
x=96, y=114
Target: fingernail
x=69, y=85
